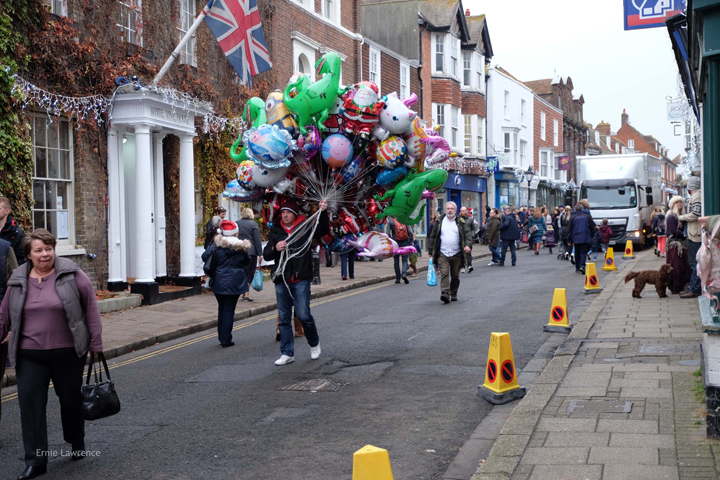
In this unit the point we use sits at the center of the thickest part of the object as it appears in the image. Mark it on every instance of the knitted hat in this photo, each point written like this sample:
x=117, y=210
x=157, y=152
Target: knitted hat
x=693, y=184
x=674, y=200
x=290, y=205
x=228, y=228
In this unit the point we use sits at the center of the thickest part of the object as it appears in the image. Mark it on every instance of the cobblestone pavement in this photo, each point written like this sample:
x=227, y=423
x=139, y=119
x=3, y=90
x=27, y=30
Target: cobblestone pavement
x=617, y=401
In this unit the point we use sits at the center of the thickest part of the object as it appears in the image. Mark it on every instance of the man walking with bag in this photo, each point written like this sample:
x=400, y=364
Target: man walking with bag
x=449, y=243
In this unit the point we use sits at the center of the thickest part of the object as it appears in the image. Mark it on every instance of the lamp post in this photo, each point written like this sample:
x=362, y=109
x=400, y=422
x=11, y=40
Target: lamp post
x=529, y=175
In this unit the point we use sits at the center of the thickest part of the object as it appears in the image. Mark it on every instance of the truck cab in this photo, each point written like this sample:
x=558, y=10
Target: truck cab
x=620, y=188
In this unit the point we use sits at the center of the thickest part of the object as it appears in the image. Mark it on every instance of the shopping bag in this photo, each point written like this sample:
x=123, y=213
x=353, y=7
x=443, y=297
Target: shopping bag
x=431, y=278
x=257, y=281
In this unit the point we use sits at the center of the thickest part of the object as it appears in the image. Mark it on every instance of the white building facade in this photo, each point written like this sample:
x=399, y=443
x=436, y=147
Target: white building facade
x=510, y=114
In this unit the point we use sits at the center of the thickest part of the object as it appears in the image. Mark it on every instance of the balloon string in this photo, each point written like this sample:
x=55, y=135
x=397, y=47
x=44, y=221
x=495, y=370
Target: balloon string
x=288, y=253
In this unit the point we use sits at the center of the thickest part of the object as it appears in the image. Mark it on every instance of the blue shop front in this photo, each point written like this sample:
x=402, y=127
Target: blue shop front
x=466, y=191
x=507, y=189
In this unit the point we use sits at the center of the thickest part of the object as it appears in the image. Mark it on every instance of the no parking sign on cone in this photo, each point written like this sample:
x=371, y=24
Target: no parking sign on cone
x=501, y=384
x=609, y=261
x=592, y=283
x=559, y=321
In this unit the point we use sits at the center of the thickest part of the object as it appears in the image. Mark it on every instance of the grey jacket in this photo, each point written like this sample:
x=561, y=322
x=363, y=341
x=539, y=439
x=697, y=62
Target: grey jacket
x=69, y=296
x=248, y=230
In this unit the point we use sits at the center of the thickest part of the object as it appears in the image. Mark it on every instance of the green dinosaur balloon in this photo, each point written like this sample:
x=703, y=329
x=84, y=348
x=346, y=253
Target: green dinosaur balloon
x=254, y=114
x=406, y=195
x=310, y=102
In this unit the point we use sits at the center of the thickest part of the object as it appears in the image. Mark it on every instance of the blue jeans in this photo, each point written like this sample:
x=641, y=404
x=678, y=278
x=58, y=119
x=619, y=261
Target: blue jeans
x=301, y=300
x=694, y=285
x=226, y=316
x=396, y=259
x=495, y=254
x=505, y=245
x=347, y=260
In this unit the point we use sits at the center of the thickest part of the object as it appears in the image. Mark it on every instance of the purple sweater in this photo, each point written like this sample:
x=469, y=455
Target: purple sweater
x=44, y=325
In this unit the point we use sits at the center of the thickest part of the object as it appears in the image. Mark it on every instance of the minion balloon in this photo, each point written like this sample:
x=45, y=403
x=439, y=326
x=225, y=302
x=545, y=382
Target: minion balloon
x=278, y=114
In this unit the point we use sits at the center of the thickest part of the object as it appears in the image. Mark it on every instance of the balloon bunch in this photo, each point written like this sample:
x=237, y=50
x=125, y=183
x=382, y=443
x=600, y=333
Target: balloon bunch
x=367, y=155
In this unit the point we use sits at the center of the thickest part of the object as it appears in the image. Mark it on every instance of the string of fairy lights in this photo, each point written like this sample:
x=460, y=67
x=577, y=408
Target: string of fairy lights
x=94, y=107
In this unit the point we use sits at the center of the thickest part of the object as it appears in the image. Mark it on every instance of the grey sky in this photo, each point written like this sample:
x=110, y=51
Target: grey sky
x=611, y=67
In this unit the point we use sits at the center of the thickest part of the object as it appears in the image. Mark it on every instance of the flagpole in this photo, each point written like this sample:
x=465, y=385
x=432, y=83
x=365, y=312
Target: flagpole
x=176, y=53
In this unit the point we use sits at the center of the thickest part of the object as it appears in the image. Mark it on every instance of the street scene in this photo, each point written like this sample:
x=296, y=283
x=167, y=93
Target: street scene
x=359, y=239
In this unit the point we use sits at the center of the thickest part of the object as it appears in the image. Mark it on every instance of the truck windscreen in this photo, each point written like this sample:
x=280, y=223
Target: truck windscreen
x=608, y=198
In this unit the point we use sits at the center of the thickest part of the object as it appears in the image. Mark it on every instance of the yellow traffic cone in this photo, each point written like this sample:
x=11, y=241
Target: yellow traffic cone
x=609, y=261
x=371, y=463
x=559, y=321
x=592, y=284
x=629, y=252
x=501, y=384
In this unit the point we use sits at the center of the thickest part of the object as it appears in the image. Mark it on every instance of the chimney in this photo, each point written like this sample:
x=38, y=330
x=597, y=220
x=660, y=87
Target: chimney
x=467, y=12
x=603, y=128
x=624, y=118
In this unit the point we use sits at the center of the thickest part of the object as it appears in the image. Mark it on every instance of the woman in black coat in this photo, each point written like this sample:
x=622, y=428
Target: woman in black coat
x=248, y=230
x=227, y=256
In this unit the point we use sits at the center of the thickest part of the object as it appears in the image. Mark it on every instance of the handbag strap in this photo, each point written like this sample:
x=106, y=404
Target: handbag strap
x=715, y=230
x=98, y=370
x=101, y=355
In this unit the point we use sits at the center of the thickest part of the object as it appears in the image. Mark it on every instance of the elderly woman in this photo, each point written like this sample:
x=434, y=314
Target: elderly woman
x=677, y=254
x=248, y=230
x=51, y=311
x=228, y=282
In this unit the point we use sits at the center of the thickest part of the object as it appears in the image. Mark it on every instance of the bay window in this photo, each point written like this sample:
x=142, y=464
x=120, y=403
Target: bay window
x=467, y=69
x=439, y=53
x=454, y=123
x=468, y=134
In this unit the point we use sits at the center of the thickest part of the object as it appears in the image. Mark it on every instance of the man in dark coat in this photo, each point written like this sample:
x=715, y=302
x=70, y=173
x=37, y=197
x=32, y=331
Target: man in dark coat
x=492, y=234
x=580, y=233
x=292, y=276
x=509, y=234
x=11, y=231
x=211, y=229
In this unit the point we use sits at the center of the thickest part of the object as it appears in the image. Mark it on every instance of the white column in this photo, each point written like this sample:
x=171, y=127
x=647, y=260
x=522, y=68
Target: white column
x=121, y=188
x=143, y=208
x=187, y=207
x=160, y=249
x=114, y=163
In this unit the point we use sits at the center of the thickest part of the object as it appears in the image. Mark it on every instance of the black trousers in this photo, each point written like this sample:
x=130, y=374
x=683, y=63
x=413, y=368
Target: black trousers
x=35, y=369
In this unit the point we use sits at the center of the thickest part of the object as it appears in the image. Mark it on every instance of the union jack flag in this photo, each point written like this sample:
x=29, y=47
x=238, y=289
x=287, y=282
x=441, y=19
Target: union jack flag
x=237, y=26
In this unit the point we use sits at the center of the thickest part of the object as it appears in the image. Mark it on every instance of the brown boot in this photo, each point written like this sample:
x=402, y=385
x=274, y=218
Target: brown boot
x=299, y=332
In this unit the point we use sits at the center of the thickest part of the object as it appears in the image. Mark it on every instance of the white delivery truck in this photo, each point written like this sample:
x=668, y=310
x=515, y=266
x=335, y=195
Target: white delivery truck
x=624, y=189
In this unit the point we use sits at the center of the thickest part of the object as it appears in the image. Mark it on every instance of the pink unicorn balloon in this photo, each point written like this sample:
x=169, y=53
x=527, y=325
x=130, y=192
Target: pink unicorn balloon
x=379, y=245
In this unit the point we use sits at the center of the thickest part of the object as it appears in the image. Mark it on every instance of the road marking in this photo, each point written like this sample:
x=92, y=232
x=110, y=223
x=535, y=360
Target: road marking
x=414, y=336
x=187, y=343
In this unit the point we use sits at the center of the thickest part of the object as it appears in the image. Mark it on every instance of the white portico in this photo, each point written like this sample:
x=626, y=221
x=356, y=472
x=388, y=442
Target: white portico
x=136, y=190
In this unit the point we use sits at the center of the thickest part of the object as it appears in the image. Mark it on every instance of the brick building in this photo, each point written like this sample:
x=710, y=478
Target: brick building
x=548, y=147
x=558, y=92
x=456, y=47
x=142, y=184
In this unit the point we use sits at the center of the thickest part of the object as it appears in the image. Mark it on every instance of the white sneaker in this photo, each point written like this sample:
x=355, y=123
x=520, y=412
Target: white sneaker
x=315, y=352
x=491, y=264
x=284, y=360
x=462, y=270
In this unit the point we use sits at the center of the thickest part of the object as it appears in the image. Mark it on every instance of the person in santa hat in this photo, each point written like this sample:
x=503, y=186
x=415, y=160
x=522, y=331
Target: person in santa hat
x=292, y=288
x=224, y=260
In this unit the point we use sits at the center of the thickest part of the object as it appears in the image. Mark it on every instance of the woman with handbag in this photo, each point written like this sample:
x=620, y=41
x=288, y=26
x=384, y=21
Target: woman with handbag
x=224, y=261
x=52, y=314
x=248, y=230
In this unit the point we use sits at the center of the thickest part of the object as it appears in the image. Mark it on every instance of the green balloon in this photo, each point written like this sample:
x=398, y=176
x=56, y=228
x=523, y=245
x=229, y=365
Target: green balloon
x=310, y=102
x=406, y=195
x=254, y=114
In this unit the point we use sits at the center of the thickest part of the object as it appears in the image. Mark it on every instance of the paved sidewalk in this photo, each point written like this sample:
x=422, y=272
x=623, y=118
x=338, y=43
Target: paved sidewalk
x=617, y=401
x=142, y=327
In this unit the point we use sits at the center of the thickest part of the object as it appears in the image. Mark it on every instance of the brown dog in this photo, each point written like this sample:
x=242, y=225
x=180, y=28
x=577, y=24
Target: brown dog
x=659, y=278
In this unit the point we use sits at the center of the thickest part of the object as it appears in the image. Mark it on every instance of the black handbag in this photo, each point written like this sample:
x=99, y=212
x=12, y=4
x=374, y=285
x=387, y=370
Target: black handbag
x=100, y=400
x=209, y=265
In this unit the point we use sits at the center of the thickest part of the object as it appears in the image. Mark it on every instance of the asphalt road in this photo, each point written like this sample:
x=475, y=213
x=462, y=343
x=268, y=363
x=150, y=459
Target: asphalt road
x=406, y=366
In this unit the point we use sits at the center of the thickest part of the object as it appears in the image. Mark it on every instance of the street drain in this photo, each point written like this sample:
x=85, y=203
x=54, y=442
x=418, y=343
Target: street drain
x=314, y=385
